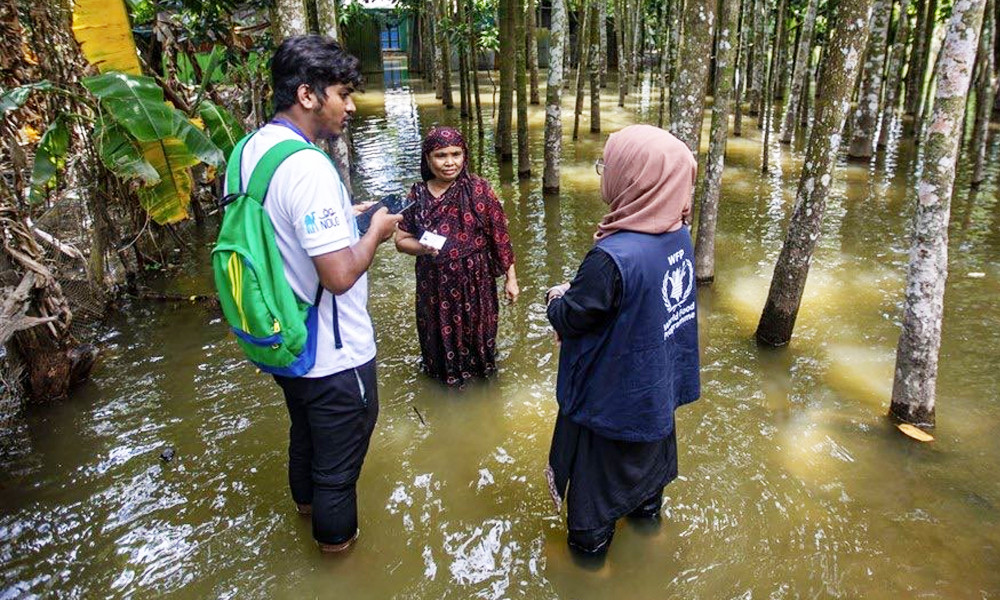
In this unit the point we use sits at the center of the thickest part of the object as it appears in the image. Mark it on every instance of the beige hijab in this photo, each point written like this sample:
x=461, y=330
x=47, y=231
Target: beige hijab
x=647, y=181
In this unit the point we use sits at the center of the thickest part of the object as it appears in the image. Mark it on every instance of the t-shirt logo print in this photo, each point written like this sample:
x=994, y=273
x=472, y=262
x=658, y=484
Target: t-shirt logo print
x=310, y=222
x=678, y=282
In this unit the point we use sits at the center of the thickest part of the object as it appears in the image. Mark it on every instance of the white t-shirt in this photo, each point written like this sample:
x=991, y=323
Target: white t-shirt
x=311, y=212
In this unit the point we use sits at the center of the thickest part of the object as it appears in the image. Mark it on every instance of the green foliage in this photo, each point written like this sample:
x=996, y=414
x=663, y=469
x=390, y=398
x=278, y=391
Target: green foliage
x=15, y=98
x=50, y=157
x=222, y=127
x=121, y=154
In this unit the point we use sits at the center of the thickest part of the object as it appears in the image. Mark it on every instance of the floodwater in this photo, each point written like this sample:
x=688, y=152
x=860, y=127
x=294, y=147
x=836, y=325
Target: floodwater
x=793, y=482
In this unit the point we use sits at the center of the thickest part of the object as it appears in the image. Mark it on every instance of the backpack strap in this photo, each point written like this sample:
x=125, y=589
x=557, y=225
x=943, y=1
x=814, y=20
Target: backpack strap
x=260, y=177
x=260, y=180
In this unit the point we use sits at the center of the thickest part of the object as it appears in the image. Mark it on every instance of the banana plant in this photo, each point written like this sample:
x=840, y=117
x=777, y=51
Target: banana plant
x=138, y=135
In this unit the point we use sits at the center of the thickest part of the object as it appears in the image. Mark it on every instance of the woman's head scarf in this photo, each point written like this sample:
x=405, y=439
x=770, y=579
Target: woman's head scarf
x=442, y=137
x=647, y=182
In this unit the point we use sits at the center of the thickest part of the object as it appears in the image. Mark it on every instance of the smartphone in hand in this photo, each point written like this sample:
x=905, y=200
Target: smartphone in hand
x=394, y=202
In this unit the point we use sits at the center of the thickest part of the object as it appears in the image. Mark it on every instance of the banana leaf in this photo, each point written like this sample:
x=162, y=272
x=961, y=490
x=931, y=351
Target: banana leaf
x=167, y=201
x=121, y=154
x=197, y=142
x=222, y=126
x=136, y=102
x=105, y=35
x=15, y=98
x=50, y=157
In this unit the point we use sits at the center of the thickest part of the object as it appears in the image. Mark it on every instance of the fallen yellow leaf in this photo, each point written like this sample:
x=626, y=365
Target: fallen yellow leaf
x=915, y=432
x=28, y=135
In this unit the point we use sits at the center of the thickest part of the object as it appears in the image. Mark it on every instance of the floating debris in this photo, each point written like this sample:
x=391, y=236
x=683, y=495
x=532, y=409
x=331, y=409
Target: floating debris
x=168, y=454
x=915, y=432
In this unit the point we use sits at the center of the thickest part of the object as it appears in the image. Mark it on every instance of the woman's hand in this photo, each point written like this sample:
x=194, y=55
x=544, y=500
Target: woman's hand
x=510, y=288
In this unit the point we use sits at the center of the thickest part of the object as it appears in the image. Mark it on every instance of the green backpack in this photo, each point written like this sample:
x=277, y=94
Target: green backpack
x=275, y=328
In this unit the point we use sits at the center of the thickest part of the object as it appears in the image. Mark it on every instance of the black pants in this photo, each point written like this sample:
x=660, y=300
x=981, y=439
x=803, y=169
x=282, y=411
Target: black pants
x=332, y=422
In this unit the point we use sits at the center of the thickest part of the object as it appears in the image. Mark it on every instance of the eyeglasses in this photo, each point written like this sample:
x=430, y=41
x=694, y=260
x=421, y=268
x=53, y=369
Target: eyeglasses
x=599, y=166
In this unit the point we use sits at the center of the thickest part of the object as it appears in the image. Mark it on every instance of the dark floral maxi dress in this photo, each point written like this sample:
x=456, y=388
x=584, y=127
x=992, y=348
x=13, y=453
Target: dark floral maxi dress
x=457, y=303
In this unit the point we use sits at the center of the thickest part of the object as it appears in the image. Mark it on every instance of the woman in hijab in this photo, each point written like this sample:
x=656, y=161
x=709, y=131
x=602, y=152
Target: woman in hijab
x=457, y=303
x=629, y=332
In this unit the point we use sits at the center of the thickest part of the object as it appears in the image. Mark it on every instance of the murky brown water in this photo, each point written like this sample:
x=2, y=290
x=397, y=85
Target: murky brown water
x=793, y=484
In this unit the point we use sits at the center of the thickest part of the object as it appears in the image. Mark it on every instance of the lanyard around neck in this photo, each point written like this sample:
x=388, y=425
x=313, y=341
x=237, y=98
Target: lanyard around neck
x=290, y=125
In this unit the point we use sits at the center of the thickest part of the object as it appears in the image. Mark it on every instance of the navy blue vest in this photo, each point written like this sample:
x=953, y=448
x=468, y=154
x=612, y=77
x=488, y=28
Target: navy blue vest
x=625, y=381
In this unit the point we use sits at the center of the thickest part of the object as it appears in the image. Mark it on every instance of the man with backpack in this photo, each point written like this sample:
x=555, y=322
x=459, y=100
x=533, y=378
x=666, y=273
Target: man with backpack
x=328, y=381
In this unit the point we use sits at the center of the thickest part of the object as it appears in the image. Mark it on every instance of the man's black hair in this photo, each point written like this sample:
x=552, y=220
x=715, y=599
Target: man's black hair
x=315, y=60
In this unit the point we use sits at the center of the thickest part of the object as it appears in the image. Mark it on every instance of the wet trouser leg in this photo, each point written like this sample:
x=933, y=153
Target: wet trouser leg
x=332, y=422
x=650, y=508
x=592, y=541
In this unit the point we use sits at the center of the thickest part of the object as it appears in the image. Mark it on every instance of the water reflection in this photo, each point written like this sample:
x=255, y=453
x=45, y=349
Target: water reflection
x=792, y=482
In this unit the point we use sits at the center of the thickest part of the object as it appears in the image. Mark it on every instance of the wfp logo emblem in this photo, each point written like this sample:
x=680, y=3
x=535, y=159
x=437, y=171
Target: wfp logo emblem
x=678, y=283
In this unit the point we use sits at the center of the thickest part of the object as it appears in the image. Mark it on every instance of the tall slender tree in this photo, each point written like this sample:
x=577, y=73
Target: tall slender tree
x=915, y=383
x=688, y=104
x=523, y=156
x=866, y=114
x=840, y=70
x=799, y=73
x=917, y=71
x=553, y=98
x=897, y=57
x=595, y=68
x=707, y=197
x=583, y=52
x=531, y=41
x=986, y=90
x=505, y=18
x=758, y=64
x=766, y=117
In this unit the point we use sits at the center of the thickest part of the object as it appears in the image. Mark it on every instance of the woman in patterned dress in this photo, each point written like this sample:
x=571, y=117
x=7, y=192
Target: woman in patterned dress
x=457, y=303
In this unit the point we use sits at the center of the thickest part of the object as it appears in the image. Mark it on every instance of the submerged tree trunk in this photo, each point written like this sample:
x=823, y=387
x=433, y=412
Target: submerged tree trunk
x=692, y=80
x=707, y=197
x=986, y=89
x=915, y=382
x=583, y=35
x=917, y=77
x=531, y=41
x=742, y=66
x=553, y=98
x=799, y=73
x=620, y=37
x=866, y=114
x=595, y=70
x=444, y=14
x=603, y=19
x=758, y=66
x=473, y=42
x=505, y=19
x=840, y=70
x=523, y=157
x=894, y=73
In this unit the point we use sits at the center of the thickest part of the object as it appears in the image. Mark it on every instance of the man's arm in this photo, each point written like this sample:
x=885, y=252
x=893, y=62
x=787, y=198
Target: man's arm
x=339, y=270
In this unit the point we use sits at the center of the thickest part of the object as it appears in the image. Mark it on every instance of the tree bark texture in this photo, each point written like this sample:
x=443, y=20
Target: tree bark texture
x=792, y=268
x=696, y=51
x=288, y=18
x=707, y=197
x=758, y=64
x=553, y=98
x=620, y=37
x=583, y=35
x=505, y=20
x=915, y=381
x=595, y=69
x=444, y=52
x=799, y=73
x=326, y=14
x=917, y=73
x=531, y=39
x=866, y=114
x=523, y=156
x=986, y=89
x=894, y=73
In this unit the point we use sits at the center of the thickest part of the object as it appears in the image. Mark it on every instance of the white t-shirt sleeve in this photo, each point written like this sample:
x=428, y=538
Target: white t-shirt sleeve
x=317, y=207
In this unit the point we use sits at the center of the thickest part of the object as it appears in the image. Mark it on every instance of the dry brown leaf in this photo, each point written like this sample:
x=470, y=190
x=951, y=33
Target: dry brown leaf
x=915, y=432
